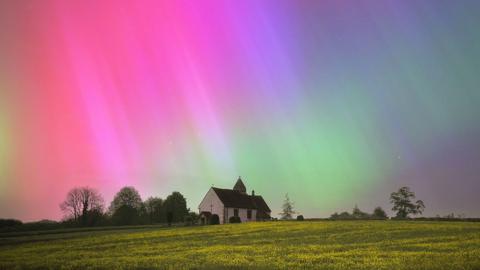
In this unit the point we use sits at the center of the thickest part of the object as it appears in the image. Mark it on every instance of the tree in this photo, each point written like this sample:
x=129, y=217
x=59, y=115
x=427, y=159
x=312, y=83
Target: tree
x=128, y=196
x=287, y=208
x=125, y=215
x=176, y=206
x=191, y=218
x=379, y=213
x=95, y=217
x=80, y=202
x=403, y=205
x=358, y=214
x=344, y=215
x=9, y=223
x=169, y=218
x=155, y=209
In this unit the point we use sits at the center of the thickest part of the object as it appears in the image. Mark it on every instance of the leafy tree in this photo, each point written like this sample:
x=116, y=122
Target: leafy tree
x=9, y=223
x=176, y=206
x=128, y=196
x=358, y=214
x=287, y=209
x=334, y=215
x=300, y=218
x=125, y=215
x=344, y=215
x=95, y=217
x=80, y=202
x=379, y=213
x=191, y=218
x=143, y=216
x=155, y=211
x=403, y=205
x=169, y=218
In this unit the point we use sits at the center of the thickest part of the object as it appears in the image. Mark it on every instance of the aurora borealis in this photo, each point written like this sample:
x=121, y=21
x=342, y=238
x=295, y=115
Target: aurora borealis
x=335, y=102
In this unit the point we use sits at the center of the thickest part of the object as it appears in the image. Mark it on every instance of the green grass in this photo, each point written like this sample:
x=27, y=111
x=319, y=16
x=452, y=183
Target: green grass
x=269, y=245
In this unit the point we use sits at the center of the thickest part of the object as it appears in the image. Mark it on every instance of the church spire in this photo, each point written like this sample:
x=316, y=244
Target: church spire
x=239, y=186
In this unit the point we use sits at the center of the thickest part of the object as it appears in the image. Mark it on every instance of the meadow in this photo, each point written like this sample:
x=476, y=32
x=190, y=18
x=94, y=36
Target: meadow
x=263, y=245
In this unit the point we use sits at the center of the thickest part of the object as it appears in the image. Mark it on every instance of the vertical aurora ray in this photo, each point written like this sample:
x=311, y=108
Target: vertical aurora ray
x=336, y=103
x=5, y=151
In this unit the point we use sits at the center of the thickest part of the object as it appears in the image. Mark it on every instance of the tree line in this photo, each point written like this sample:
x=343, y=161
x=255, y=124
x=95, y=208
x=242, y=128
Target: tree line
x=403, y=202
x=85, y=206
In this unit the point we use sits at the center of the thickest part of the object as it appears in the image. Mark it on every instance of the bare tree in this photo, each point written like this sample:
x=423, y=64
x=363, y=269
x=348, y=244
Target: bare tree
x=72, y=204
x=80, y=201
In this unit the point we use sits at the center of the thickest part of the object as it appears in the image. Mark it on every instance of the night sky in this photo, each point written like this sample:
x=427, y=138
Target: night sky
x=335, y=102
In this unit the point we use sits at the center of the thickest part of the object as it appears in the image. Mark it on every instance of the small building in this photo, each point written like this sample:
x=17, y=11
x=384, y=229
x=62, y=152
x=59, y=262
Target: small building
x=226, y=203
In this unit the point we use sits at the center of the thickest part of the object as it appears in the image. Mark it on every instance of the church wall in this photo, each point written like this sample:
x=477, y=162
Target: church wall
x=242, y=213
x=211, y=203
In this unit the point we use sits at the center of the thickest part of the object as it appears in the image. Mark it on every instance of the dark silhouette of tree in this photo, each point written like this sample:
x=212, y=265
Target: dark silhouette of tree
x=342, y=215
x=403, y=205
x=334, y=215
x=125, y=215
x=95, y=217
x=379, y=213
x=191, y=218
x=300, y=218
x=128, y=196
x=80, y=201
x=359, y=214
x=155, y=210
x=287, y=209
x=169, y=218
x=9, y=223
x=176, y=205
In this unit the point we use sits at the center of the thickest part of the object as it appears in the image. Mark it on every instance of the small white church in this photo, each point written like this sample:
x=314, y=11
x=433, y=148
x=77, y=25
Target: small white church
x=226, y=203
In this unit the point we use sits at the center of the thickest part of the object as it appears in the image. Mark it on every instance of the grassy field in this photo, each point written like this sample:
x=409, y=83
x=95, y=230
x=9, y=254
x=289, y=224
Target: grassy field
x=269, y=245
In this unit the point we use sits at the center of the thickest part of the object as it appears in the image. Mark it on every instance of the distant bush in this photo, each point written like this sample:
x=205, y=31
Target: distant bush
x=342, y=216
x=359, y=214
x=9, y=223
x=42, y=225
x=379, y=213
x=300, y=218
x=191, y=219
x=214, y=220
x=443, y=219
x=234, y=220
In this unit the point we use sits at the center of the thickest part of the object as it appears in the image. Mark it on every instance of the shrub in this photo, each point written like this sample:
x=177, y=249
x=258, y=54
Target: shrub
x=359, y=214
x=300, y=218
x=344, y=215
x=234, y=220
x=9, y=223
x=214, y=220
x=191, y=219
x=379, y=213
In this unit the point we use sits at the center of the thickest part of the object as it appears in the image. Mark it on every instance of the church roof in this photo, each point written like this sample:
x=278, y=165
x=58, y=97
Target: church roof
x=261, y=204
x=240, y=186
x=236, y=199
